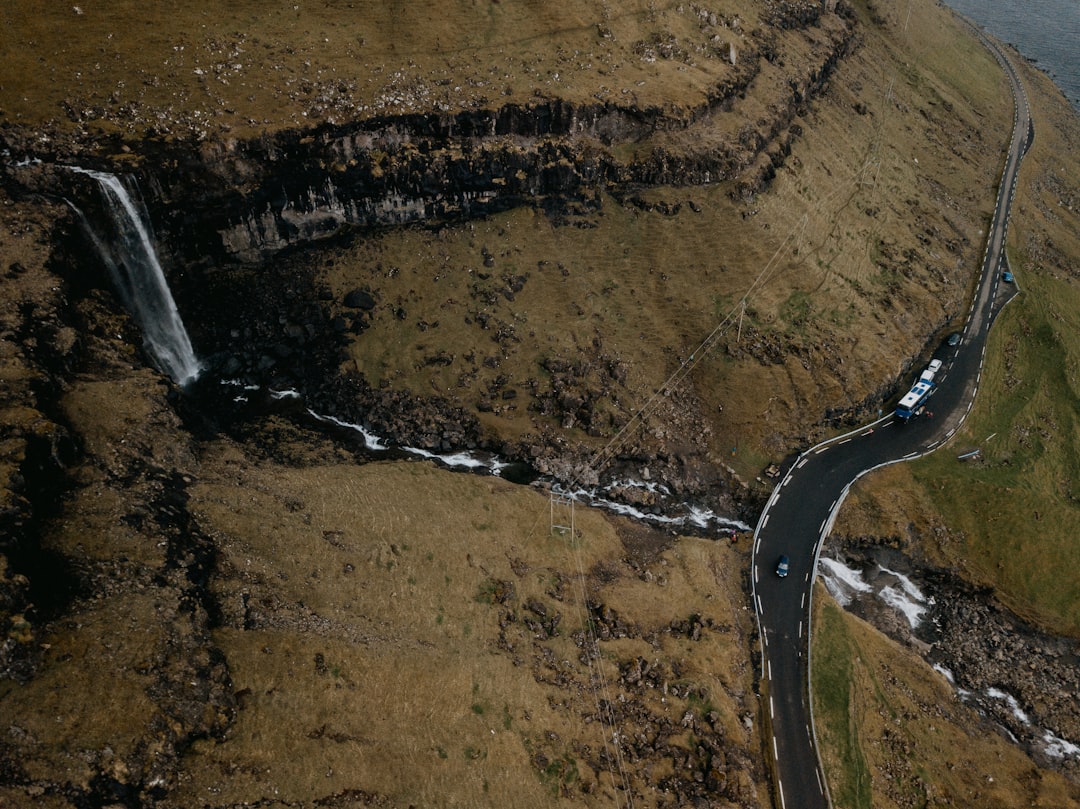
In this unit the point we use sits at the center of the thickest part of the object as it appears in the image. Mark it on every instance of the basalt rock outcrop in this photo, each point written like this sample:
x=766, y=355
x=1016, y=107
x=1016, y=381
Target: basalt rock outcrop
x=247, y=199
x=413, y=171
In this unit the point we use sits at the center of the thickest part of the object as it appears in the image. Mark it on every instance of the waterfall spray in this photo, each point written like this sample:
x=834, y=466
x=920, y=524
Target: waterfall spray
x=129, y=255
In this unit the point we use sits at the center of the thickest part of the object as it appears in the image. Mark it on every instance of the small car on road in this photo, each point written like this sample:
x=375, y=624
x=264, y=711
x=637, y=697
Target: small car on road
x=782, y=567
x=1007, y=277
x=953, y=339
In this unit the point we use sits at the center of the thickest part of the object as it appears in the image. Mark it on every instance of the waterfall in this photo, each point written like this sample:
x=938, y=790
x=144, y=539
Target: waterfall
x=132, y=262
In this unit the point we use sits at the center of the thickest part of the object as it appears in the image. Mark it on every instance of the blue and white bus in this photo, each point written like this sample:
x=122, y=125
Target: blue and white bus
x=915, y=398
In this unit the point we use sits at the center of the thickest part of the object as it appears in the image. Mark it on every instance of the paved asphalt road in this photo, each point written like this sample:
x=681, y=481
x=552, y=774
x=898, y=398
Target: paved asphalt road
x=799, y=516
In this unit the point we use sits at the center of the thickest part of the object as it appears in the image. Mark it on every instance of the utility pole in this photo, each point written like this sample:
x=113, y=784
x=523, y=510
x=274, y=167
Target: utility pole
x=564, y=503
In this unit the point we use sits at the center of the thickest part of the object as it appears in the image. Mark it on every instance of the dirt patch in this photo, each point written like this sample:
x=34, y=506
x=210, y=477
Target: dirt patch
x=642, y=542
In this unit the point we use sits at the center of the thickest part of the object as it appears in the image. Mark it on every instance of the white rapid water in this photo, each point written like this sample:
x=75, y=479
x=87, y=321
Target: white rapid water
x=906, y=599
x=133, y=264
x=842, y=582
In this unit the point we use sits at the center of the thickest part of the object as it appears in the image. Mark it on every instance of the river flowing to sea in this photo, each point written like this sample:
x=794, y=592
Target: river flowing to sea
x=1047, y=32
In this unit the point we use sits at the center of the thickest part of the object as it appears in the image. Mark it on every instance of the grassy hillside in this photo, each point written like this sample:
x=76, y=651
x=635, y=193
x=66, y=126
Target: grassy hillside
x=247, y=67
x=1005, y=520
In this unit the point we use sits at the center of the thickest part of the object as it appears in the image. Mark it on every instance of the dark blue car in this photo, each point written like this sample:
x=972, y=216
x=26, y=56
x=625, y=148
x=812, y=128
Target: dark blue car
x=782, y=567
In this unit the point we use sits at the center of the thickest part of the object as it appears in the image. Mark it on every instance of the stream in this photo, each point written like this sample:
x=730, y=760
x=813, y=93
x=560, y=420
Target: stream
x=1017, y=677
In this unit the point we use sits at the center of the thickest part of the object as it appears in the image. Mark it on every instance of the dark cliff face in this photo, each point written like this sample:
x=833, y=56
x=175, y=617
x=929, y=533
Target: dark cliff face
x=247, y=199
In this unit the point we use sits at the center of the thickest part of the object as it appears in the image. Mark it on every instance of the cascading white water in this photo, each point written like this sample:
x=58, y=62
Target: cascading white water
x=132, y=262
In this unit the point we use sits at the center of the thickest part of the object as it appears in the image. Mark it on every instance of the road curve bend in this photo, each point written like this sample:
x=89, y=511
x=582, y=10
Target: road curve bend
x=801, y=510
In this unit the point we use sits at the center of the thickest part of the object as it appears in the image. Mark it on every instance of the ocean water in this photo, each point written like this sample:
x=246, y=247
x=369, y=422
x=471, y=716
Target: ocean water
x=1047, y=32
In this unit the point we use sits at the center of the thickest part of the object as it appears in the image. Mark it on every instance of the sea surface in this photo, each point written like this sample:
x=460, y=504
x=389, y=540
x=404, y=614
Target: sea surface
x=1046, y=32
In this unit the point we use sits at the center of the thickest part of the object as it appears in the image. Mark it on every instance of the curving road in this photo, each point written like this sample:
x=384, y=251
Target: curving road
x=799, y=515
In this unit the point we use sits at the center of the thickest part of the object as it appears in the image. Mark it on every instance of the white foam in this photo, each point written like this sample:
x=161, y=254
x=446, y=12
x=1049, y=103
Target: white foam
x=944, y=672
x=1056, y=747
x=909, y=587
x=842, y=582
x=460, y=459
x=371, y=441
x=1010, y=700
x=901, y=602
x=1052, y=745
x=647, y=485
x=701, y=517
x=696, y=516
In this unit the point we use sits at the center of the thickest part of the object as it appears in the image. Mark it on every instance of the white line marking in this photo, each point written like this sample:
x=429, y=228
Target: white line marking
x=765, y=521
